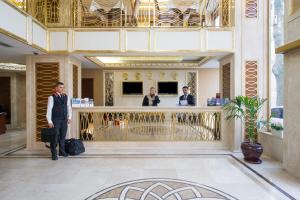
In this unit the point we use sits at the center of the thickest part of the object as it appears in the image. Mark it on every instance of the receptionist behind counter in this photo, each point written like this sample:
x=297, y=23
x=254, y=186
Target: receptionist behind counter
x=151, y=99
x=186, y=99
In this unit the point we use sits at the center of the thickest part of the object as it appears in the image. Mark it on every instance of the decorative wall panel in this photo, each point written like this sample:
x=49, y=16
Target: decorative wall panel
x=226, y=12
x=251, y=77
x=109, y=88
x=226, y=81
x=75, y=81
x=47, y=74
x=251, y=9
x=192, y=83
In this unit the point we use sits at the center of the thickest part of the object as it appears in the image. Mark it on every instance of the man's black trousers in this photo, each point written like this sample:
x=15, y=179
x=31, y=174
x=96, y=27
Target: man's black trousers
x=61, y=126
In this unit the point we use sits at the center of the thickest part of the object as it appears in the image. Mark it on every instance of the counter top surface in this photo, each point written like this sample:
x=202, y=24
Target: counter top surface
x=140, y=108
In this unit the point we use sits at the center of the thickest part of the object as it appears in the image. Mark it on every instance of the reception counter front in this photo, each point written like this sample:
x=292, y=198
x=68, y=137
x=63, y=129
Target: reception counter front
x=96, y=125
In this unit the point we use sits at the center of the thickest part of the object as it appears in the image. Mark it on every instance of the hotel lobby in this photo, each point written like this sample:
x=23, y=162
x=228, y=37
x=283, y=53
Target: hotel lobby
x=172, y=99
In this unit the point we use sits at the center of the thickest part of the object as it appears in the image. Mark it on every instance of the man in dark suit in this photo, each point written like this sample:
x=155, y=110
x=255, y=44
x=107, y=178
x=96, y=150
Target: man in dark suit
x=186, y=99
x=59, y=116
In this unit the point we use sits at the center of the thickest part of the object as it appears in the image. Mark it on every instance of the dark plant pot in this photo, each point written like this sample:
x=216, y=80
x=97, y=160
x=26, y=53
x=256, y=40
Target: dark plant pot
x=252, y=152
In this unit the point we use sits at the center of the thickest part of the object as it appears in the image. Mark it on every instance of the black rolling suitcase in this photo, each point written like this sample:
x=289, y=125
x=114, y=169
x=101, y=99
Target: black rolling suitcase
x=74, y=147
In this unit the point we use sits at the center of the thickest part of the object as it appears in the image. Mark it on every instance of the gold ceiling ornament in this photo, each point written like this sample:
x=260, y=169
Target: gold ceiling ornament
x=137, y=76
x=174, y=76
x=125, y=76
x=149, y=75
x=162, y=75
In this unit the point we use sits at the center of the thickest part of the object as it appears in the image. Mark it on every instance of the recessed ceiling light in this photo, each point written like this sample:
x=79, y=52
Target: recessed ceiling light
x=140, y=59
x=12, y=66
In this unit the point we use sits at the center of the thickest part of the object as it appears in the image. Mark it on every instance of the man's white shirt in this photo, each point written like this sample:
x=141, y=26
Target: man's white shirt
x=50, y=106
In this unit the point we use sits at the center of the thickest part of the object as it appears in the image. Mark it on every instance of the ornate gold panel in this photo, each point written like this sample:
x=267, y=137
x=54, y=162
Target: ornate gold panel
x=251, y=9
x=47, y=74
x=226, y=81
x=75, y=81
x=192, y=82
x=125, y=76
x=149, y=75
x=226, y=6
x=162, y=76
x=137, y=76
x=109, y=88
x=150, y=126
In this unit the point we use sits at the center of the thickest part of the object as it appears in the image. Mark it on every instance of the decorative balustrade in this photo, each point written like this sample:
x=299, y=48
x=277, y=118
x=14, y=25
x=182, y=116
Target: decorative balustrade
x=129, y=13
x=150, y=125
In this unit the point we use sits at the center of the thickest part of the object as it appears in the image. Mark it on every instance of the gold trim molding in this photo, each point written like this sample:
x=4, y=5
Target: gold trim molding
x=288, y=47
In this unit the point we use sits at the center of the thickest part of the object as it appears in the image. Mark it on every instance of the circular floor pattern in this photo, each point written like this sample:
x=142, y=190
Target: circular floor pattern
x=160, y=189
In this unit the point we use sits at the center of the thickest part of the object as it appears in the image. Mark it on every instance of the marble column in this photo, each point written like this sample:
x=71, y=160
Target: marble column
x=65, y=71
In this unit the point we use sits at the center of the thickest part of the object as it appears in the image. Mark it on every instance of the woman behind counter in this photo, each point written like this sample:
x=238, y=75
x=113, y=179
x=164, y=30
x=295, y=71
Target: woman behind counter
x=151, y=99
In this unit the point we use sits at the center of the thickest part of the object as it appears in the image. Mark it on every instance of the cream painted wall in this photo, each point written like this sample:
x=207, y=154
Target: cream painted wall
x=18, y=98
x=97, y=75
x=208, y=84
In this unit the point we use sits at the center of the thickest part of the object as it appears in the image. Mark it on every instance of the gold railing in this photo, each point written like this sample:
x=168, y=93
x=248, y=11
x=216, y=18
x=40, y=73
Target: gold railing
x=21, y=4
x=129, y=13
x=150, y=126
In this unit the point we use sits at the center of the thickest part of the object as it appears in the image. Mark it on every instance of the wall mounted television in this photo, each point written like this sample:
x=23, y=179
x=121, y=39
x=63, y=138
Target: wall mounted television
x=132, y=88
x=167, y=87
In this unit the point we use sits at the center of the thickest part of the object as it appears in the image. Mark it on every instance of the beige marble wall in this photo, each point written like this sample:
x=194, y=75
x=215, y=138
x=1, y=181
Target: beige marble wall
x=273, y=146
x=21, y=100
x=18, y=98
x=292, y=113
x=292, y=22
x=291, y=152
x=208, y=84
x=97, y=75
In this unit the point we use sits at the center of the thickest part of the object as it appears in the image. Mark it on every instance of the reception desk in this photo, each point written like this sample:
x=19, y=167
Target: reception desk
x=150, y=124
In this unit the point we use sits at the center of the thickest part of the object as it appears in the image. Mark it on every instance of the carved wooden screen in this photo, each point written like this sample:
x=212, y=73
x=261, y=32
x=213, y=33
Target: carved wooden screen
x=75, y=81
x=47, y=74
x=251, y=78
x=251, y=84
x=251, y=9
x=226, y=81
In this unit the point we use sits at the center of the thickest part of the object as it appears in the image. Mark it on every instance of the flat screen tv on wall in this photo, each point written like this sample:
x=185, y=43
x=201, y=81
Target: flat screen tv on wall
x=167, y=87
x=132, y=88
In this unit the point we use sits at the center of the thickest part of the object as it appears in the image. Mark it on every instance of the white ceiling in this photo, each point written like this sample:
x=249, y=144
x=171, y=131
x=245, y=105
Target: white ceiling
x=17, y=52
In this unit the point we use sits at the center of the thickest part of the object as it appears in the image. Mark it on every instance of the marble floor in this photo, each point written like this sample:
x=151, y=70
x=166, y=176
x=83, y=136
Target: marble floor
x=107, y=174
x=114, y=177
x=12, y=140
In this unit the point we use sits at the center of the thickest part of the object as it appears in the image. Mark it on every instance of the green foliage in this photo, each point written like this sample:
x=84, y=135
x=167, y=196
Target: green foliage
x=246, y=108
x=277, y=127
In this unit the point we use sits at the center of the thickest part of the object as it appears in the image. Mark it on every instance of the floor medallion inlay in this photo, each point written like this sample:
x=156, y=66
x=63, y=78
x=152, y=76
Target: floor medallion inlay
x=160, y=189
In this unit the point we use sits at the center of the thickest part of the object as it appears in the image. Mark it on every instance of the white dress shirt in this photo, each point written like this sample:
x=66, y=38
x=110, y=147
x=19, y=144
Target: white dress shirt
x=50, y=106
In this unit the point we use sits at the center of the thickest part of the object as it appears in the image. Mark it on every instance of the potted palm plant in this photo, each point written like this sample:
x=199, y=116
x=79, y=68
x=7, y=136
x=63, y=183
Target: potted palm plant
x=247, y=110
